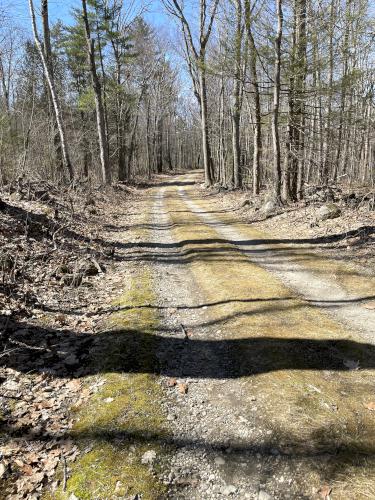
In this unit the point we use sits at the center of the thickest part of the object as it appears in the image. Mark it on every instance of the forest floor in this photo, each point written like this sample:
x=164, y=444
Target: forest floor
x=208, y=352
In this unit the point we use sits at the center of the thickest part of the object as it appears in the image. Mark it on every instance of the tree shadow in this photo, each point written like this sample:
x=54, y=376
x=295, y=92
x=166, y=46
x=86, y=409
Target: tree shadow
x=62, y=353
x=334, y=238
x=326, y=448
x=334, y=303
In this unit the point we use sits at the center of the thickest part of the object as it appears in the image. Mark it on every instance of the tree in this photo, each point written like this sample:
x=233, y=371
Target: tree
x=97, y=88
x=276, y=103
x=237, y=101
x=46, y=58
x=293, y=178
x=196, y=58
x=257, y=137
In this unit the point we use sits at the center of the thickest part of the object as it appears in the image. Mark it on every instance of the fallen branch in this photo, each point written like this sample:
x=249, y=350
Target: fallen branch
x=184, y=331
x=65, y=474
x=27, y=346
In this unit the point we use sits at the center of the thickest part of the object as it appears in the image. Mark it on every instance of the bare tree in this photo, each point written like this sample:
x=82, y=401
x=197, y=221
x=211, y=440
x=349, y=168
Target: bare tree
x=197, y=61
x=257, y=141
x=276, y=103
x=97, y=88
x=51, y=84
x=237, y=101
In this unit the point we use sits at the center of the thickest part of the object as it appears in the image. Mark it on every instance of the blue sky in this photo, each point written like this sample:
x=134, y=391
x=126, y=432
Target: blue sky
x=154, y=14
x=61, y=10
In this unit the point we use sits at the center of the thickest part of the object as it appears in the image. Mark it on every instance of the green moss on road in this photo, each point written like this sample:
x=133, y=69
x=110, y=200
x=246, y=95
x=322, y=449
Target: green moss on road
x=123, y=419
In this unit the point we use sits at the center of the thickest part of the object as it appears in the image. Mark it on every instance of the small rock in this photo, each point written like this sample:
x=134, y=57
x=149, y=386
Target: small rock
x=108, y=400
x=269, y=206
x=219, y=461
x=3, y=469
x=11, y=385
x=263, y=495
x=87, y=267
x=328, y=211
x=229, y=489
x=148, y=457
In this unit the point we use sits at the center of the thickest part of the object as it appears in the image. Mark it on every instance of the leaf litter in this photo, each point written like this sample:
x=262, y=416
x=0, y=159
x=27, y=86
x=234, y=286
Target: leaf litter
x=52, y=264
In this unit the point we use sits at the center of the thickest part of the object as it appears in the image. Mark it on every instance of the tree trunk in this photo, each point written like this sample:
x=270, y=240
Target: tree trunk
x=257, y=138
x=100, y=118
x=276, y=103
x=51, y=85
x=236, y=109
x=295, y=159
x=204, y=126
x=49, y=61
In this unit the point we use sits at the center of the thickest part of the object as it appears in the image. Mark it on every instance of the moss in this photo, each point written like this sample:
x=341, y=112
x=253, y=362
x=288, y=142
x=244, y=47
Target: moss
x=307, y=400
x=124, y=418
x=110, y=471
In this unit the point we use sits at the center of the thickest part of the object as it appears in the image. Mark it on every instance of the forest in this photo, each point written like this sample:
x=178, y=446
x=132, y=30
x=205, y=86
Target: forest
x=187, y=250
x=258, y=94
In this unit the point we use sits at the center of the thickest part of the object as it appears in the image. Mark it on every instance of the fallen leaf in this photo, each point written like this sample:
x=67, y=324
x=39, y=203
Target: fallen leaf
x=74, y=385
x=37, y=478
x=325, y=491
x=171, y=382
x=61, y=318
x=50, y=463
x=183, y=388
x=370, y=405
x=27, y=469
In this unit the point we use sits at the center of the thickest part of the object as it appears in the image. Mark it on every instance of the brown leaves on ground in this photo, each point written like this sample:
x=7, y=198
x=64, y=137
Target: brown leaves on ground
x=48, y=246
x=171, y=382
x=35, y=409
x=183, y=388
x=325, y=491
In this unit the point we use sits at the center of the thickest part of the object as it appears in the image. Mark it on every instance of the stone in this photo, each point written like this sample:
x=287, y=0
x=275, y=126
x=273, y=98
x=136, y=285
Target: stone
x=263, y=495
x=269, y=206
x=328, y=211
x=3, y=469
x=228, y=490
x=149, y=457
x=87, y=267
x=219, y=461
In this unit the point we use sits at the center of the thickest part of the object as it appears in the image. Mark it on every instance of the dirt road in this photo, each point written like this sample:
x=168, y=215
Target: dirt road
x=240, y=365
